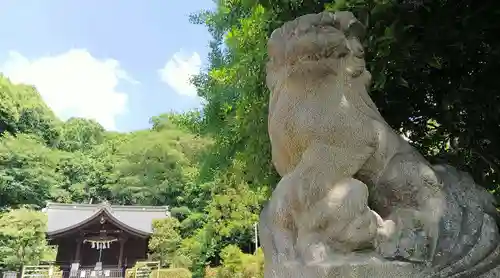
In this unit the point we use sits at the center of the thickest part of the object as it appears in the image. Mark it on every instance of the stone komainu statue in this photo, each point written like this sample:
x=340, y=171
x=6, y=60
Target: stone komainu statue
x=336, y=154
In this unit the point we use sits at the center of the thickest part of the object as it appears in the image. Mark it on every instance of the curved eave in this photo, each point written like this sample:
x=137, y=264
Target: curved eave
x=115, y=221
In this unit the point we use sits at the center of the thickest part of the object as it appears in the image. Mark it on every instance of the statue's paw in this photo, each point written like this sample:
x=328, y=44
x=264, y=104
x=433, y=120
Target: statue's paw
x=413, y=245
x=312, y=250
x=402, y=239
x=386, y=243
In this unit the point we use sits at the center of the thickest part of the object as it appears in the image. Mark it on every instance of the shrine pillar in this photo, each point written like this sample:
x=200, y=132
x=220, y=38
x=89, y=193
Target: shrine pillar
x=122, y=241
x=79, y=242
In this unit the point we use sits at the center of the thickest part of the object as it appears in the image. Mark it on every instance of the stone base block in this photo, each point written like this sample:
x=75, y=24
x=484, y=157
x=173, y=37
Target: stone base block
x=494, y=273
x=352, y=270
x=355, y=270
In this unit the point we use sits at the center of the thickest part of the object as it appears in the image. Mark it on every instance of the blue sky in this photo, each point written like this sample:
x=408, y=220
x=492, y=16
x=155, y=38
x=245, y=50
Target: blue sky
x=119, y=62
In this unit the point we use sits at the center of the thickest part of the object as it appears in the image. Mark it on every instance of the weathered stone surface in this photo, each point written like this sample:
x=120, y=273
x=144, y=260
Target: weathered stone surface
x=495, y=273
x=351, y=270
x=336, y=154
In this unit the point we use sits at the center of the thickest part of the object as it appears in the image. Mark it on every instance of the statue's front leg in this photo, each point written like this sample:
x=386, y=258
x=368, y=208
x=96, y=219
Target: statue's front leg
x=277, y=230
x=316, y=178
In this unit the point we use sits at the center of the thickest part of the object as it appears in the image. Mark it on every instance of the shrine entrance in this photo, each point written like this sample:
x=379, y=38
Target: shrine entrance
x=105, y=248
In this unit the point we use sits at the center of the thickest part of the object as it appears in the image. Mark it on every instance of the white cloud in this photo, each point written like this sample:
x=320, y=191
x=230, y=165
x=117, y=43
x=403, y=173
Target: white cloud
x=178, y=71
x=74, y=84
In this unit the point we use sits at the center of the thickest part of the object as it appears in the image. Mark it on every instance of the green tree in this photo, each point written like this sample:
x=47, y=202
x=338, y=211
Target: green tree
x=158, y=167
x=27, y=172
x=196, y=250
x=22, y=239
x=22, y=110
x=165, y=240
x=236, y=264
x=80, y=134
x=85, y=177
x=191, y=121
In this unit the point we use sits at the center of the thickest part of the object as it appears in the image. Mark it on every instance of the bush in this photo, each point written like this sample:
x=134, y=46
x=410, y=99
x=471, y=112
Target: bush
x=181, y=261
x=129, y=273
x=211, y=272
x=163, y=273
x=171, y=273
x=236, y=264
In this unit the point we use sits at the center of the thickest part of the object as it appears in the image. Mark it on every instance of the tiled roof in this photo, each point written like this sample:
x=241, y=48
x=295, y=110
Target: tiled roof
x=64, y=216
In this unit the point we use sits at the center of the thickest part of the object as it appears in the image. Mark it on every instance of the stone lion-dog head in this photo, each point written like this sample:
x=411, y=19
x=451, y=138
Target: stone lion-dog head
x=315, y=46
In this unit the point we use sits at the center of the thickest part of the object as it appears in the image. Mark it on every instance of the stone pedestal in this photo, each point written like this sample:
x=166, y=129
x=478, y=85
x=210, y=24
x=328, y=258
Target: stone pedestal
x=367, y=269
x=494, y=273
x=374, y=269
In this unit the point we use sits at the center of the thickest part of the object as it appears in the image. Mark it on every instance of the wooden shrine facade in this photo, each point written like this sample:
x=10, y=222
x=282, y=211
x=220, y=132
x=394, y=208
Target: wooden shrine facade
x=115, y=236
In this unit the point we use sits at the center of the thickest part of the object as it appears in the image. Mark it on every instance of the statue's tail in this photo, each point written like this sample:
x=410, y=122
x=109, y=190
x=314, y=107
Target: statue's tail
x=469, y=240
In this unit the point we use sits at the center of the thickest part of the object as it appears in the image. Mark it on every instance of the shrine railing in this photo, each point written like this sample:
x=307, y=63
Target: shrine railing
x=40, y=271
x=10, y=274
x=91, y=273
x=51, y=272
x=144, y=269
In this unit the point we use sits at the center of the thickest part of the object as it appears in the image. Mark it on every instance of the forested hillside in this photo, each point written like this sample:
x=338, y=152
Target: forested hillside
x=434, y=67
x=44, y=159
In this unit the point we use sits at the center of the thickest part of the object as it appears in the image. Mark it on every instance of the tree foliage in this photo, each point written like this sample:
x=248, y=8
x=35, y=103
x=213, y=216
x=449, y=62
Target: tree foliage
x=27, y=171
x=165, y=240
x=22, y=239
x=22, y=110
x=236, y=264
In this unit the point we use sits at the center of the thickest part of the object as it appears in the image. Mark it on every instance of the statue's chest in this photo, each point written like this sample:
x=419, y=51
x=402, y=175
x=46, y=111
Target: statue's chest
x=314, y=117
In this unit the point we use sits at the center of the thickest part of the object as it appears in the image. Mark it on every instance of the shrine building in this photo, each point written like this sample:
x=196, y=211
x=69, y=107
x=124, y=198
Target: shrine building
x=100, y=235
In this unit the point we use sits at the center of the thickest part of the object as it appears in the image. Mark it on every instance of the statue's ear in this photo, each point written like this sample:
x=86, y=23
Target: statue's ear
x=356, y=29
